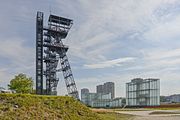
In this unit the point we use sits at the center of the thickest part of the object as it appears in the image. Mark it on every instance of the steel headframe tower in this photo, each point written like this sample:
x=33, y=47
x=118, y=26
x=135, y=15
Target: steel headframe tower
x=49, y=40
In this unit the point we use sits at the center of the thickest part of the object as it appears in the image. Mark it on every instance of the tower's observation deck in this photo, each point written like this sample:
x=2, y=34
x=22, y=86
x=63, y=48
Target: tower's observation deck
x=54, y=53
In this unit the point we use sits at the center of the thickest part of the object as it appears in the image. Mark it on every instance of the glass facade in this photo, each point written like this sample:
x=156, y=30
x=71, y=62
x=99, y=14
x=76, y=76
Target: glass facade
x=100, y=100
x=143, y=92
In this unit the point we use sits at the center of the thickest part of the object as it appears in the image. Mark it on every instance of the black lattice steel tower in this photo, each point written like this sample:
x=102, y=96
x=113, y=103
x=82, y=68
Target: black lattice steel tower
x=54, y=53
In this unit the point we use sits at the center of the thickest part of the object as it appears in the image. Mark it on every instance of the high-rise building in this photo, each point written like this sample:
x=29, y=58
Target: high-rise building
x=106, y=88
x=143, y=92
x=84, y=90
x=109, y=88
x=99, y=89
x=84, y=93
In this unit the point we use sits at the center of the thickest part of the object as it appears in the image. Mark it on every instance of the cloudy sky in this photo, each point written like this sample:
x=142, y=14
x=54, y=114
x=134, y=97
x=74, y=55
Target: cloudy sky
x=111, y=40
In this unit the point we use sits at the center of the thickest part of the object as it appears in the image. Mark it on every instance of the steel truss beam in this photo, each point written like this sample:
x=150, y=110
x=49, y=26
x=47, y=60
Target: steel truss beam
x=49, y=39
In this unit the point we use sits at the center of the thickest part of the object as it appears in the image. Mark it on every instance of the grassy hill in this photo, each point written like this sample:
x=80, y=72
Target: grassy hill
x=36, y=107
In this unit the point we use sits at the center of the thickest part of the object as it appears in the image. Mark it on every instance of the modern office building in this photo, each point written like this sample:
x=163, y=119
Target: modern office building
x=106, y=88
x=99, y=100
x=116, y=102
x=88, y=98
x=143, y=92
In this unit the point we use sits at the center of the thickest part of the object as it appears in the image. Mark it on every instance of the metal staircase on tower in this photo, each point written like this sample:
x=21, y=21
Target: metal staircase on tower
x=50, y=51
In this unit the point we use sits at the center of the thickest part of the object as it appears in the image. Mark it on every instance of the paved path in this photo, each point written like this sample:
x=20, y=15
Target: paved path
x=137, y=113
x=157, y=118
x=145, y=115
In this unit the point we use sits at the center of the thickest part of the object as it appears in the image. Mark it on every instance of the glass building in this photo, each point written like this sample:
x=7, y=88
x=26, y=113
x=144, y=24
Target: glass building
x=99, y=100
x=143, y=92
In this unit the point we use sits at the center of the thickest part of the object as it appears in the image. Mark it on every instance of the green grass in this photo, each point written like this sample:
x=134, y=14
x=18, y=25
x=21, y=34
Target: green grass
x=36, y=107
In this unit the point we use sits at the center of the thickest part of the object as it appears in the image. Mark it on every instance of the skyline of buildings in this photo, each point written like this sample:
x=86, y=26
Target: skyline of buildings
x=139, y=93
x=104, y=96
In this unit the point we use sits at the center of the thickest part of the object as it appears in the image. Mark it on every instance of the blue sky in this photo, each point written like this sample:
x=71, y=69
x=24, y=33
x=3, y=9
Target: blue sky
x=111, y=40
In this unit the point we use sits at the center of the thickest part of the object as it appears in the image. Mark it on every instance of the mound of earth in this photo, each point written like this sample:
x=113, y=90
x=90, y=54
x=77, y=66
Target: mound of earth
x=37, y=107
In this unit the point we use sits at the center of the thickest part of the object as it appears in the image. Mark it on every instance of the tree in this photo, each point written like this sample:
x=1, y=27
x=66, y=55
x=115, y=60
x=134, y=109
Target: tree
x=21, y=84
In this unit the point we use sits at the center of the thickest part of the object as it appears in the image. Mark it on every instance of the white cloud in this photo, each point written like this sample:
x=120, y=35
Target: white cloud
x=110, y=63
x=163, y=54
x=161, y=58
x=13, y=49
x=18, y=57
x=105, y=21
x=156, y=61
x=164, y=31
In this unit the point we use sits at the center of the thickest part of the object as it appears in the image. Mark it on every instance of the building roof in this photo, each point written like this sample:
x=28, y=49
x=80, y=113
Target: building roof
x=140, y=80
